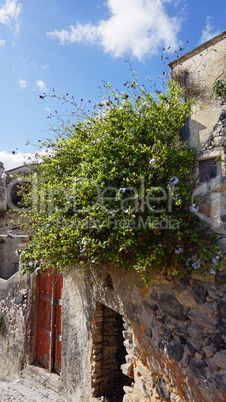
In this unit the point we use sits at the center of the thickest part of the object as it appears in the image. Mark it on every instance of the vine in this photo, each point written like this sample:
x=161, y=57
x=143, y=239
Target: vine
x=116, y=186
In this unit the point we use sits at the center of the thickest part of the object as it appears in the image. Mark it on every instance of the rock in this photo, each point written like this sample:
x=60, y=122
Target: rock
x=130, y=311
x=198, y=368
x=161, y=344
x=207, y=341
x=161, y=389
x=221, y=278
x=202, y=319
x=217, y=340
x=209, y=350
x=208, y=278
x=199, y=355
x=195, y=331
x=185, y=297
x=222, y=308
x=222, y=327
x=170, y=306
x=127, y=369
x=189, y=348
x=220, y=359
x=211, y=366
x=199, y=292
x=19, y=298
x=209, y=309
x=153, y=306
x=220, y=380
x=161, y=318
x=174, y=398
x=167, y=332
x=145, y=374
x=213, y=293
x=148, y=332
x=175, y=350
x=220, y=293
x=154, y=365
x=196, y=343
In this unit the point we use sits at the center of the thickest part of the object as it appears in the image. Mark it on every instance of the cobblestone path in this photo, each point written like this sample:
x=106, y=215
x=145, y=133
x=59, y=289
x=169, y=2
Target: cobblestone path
x=22, y=390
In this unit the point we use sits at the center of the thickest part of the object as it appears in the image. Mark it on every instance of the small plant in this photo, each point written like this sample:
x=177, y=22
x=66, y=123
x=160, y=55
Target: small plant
x=219, y=90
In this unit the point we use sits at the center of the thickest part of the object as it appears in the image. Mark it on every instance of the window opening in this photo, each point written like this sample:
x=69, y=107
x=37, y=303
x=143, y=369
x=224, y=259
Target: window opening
x=184, y=131
x=207, y=170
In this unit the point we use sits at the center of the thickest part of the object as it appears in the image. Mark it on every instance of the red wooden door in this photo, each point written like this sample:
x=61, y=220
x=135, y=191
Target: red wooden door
x=58, y=322
x=49, y=320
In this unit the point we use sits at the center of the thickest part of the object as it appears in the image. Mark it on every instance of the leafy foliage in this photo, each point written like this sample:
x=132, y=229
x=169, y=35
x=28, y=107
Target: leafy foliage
x=219, y=90
x=116, y=186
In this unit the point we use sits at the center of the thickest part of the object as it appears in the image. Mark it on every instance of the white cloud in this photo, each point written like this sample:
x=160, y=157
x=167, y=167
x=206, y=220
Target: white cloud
x=2, y=42
x=10, y=12
x=207, y=32
x=22, y=83
x=44, y=66
x=134, y=27
x=41, y=86
x=12, y=161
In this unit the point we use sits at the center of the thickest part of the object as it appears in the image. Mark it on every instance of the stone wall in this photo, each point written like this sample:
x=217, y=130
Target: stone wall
x=211, y=200
x=174, y=335
x=179, y=332
x=11, y=239
x=13, y=308
x=197, y=71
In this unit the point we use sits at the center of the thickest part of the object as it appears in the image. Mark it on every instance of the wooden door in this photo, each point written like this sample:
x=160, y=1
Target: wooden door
x=58, y=322
x=49, y=320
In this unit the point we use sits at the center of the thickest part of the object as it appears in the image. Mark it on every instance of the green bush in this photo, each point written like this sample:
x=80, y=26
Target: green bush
x=117, y=187
x=219, y=90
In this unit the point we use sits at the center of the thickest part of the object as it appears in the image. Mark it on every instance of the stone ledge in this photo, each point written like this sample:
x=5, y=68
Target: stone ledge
x=43, y=377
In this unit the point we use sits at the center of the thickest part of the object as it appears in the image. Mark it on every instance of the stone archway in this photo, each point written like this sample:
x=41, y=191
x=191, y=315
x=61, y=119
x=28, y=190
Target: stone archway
x=108, y=354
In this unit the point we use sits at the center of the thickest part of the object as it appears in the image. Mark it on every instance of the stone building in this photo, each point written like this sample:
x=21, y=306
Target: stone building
x=109, y=337
x=11, y=235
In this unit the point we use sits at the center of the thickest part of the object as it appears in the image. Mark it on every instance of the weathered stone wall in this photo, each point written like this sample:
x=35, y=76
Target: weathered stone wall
x=78, y=312
x=13, y=308
x=211, y=198
x=179, y=331
x=197, y=71
x=11, y=239
x=174, y=331
x=11, y=236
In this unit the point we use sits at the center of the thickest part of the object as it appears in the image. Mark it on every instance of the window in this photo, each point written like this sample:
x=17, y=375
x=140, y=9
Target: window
x=184, y=132
x=207, y=170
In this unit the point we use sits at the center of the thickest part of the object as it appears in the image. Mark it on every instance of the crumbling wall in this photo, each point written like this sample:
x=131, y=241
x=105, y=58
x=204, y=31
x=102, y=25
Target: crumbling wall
x=179, y=331
x=197, y=71
x=13, y=309
x=175, y=335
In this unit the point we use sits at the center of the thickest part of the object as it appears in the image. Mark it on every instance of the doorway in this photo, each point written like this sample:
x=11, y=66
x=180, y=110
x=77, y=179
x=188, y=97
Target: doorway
x=49, y=320
x=108, y=354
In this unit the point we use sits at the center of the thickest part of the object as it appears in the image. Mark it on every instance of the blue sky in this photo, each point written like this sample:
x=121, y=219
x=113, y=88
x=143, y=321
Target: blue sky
x=72, y=46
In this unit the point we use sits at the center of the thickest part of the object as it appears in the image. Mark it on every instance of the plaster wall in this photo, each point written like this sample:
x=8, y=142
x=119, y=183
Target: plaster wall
x=197, y=71
x=13, y=308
